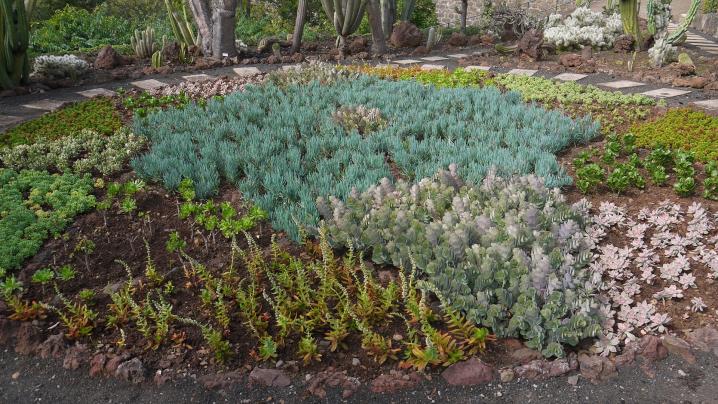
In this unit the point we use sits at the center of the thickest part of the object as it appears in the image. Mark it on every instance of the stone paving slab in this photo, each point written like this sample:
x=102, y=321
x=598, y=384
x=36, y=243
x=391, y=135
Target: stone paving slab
x=458, y=55
x=197, y=77
x=666, y=92
x=406, y=61
x=291, y=67
x=523, y=72
x=7, y=120
x=150, y=84
x=621, y=84
x=383, y=65
x=570, y=76
x=97, y=92
x=45, y=105
x=708, y=104
x=429, y=66
x=246, y=71
x=434, y=58
x=470, y=68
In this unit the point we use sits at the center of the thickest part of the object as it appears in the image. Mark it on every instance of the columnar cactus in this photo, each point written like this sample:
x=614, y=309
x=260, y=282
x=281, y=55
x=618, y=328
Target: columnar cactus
x=181, y=25
x=433, y=38
x=346, y=16
x=629, y=17
x=14, y=40
x=678, y=35
x=144, y=43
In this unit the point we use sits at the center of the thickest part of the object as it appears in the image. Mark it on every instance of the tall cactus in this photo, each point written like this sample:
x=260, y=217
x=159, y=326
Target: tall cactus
x=679, y=34
x=144, y=43
x=629, y=17
x=346, y=16
x=14, y=41
x=181, y=25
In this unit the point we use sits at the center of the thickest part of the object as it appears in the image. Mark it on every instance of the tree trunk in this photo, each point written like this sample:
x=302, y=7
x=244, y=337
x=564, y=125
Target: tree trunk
x=216, y=20
x=464, y=12
x=299, y=25
x=342, y=46
x=247, y=8
x=388, y=15
x=378, y=39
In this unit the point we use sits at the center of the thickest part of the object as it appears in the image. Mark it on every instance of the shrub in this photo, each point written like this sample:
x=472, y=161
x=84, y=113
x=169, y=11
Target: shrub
x=282, y=147
x=684, y=129
x=98, y=114
x=87, y=152
x=59, y=67
x=510, y=254
x=36, y=205
x=583, y=27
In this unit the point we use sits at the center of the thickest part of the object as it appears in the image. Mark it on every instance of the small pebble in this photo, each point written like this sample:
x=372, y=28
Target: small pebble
x=682, y=373
x=15, y=375
x=355, y=362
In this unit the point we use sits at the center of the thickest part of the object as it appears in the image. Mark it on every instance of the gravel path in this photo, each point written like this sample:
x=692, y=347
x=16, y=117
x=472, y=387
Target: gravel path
x=32, y=380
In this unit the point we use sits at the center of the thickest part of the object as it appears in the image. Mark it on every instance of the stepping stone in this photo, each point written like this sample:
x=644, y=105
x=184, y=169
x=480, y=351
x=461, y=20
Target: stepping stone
x=570, y=76
x=621, y=84
x=45, y=105
x=432, y=67
x=291, y=67
x=472, y=68
x=708, y=104
x=195, y=78
x=246, y=71
x=150, y=84
x=666, y=92
x=523, y=72
x=406, y=61
x=434, y=58
x=7, y=120
x=387, y=65
x=97, y=92
x=458, y=55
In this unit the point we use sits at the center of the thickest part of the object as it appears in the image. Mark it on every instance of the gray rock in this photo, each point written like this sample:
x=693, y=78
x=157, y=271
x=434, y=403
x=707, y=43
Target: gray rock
x=270, y=377
x=131, y=371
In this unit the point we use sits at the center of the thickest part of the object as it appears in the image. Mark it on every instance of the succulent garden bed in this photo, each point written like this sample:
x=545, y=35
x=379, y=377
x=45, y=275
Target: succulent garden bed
x=359, y=224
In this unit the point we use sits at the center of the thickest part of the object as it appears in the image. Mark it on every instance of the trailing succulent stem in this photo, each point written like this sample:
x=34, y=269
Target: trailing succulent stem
x=679, y=34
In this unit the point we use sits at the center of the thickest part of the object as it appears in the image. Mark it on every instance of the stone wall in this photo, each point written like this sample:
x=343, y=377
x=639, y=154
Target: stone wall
x=448, y=16
x=707, y=24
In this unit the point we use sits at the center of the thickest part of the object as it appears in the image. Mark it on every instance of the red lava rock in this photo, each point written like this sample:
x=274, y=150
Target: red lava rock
x=113, y=362
x=394, y=381
x=97, y=364
x=543, y=369
x=475, y=40
x=220, y=380
x=333, y=378
x=270, y=377
x=570, y=60
x=693, y=82
x=357, y=45
x=530, y=44
x=704, y=339
x=596, y=368
x=712, y=86
x=624, y=43
x=458, y=39
x=406, y=34
x=513, y=344
x=297, y=58
x=131, y=371
x=651, y=349
x=74, y=356
x=27, y=339
x=52, y=347
x=468, y=373
x=273, y=60
x=525, y=355
x=108, y=58
x=677, y=346
x=627, y=356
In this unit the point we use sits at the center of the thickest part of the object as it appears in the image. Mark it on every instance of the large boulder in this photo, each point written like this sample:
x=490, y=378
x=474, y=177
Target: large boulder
x=406, y=34
x=458, y=39
x=530, y=44
x=108, y=58
x=624, y=43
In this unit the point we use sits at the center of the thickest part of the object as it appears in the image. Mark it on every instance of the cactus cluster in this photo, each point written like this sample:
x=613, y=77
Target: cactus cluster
x=346, y=16
x=181, y=26
x=14, y=40
x=144, y=43
x=510, y=253
x=282, y=147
